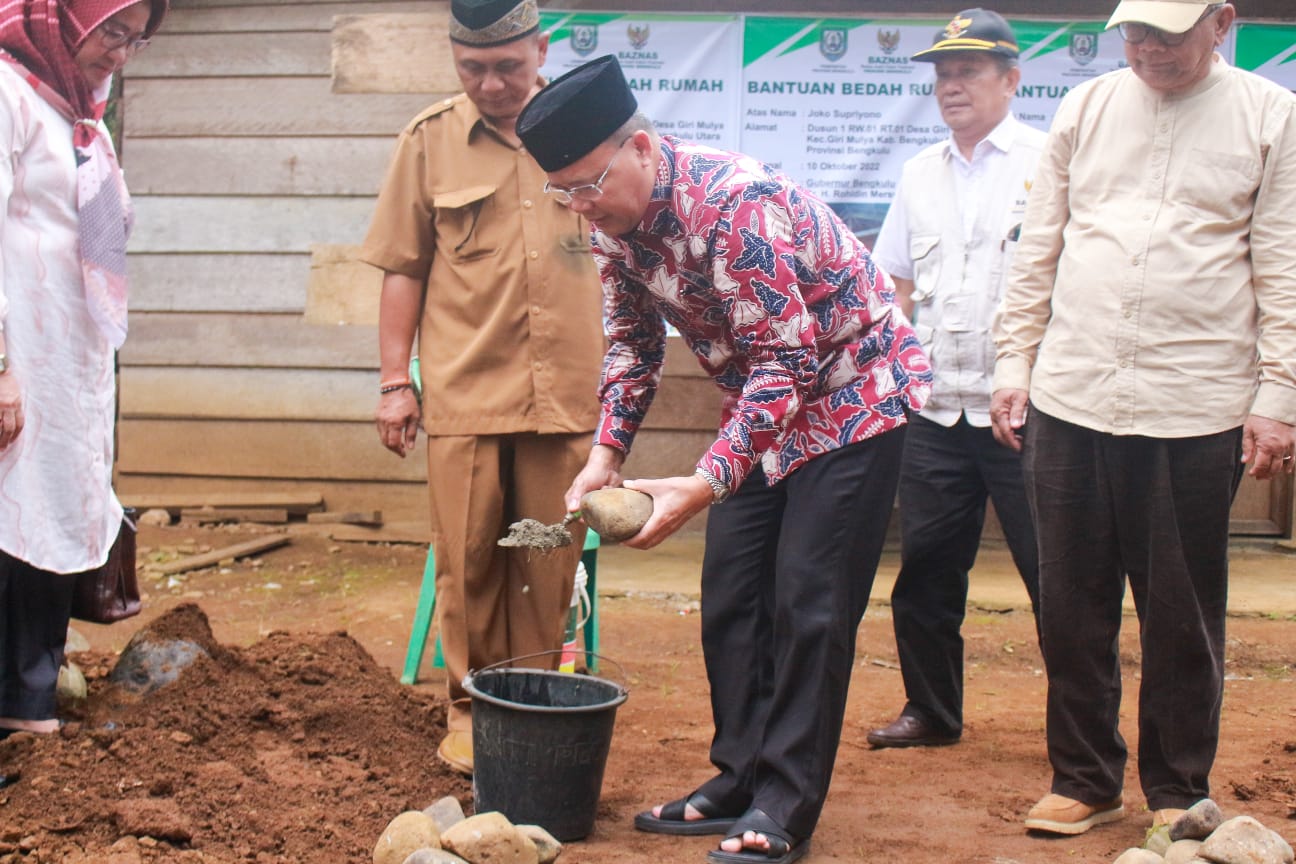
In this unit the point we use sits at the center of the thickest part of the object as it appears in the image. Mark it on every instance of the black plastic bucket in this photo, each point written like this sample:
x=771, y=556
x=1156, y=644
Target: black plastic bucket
x=540, y=744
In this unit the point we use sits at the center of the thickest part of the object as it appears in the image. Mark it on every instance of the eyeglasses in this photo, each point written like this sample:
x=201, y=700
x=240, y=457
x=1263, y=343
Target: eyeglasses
x=113, y=36
x=1136, y=33
x=585, y=191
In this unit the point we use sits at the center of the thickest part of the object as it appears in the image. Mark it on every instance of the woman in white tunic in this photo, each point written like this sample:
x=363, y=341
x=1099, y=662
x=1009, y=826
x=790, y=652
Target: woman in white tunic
x=64, y=216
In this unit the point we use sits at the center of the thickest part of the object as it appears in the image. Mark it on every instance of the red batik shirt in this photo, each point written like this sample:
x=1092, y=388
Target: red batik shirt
x=778, y=300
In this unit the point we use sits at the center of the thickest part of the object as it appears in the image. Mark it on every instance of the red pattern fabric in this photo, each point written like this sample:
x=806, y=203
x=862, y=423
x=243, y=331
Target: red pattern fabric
x=777, y=299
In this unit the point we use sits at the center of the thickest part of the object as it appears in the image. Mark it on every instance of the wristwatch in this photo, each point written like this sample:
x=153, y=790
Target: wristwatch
x=719, y=491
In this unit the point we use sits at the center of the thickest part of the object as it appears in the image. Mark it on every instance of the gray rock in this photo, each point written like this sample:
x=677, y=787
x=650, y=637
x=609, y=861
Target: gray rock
x=71, y=685
x=1138, y=856
x=434, y=856
x=446, y=813
x=146, y=665
x=547, y=846
x=157, y=517
x=1158, y=839
x=1198, y=821
x=490, y=837
x=1243, y=840
x=75, y=642
x=405, y=835
x=1182, y=852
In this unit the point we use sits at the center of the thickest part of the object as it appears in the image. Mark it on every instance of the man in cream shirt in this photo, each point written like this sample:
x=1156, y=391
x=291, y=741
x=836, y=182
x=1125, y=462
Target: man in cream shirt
x=1150, y=317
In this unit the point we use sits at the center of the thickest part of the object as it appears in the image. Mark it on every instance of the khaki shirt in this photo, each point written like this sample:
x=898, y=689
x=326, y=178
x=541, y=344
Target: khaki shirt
x=511, y=338
x=1154, y=287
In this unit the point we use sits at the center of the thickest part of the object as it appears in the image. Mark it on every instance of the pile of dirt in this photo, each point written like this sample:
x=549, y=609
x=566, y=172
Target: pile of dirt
x=298, y=748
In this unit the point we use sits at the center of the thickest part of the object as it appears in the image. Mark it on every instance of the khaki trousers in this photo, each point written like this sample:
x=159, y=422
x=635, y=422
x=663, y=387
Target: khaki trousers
x=494, y=603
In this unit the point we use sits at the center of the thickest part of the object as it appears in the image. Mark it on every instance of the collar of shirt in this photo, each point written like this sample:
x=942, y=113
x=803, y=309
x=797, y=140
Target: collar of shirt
x=1000, y=138
x=1219, y=66
x=478, y=121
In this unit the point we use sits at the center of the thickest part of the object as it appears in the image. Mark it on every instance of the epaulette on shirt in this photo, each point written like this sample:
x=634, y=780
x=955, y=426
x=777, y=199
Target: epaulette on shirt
x=433, y=110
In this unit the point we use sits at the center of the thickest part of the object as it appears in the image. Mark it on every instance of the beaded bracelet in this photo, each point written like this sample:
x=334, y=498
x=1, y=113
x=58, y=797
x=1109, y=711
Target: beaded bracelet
x=394, y=386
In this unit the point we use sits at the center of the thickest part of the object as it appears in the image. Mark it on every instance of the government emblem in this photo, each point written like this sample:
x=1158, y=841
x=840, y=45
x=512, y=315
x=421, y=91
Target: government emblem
x=638, y=35
x=584, y=38
x=832, y=43
x=1084, y=48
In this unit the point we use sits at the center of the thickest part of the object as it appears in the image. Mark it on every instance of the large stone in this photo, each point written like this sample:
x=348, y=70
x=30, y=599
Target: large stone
x=404, y=835
x=547, y=846
x=490, y=838
x=1198, y=821
x=145, y=664
x=446, y=813
x=1182, y=851
x=434, y=856
x=1138, y=856
x=1243, y=840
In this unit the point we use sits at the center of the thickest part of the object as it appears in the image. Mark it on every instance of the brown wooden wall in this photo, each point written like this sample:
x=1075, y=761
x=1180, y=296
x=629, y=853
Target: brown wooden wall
x=252, y=178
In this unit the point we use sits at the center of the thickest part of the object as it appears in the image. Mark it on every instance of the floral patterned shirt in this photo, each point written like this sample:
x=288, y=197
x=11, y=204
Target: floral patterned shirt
x=778, y=300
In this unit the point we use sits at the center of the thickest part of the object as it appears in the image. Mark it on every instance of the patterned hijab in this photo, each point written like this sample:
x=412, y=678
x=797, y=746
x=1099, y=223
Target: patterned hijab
x=40, y=38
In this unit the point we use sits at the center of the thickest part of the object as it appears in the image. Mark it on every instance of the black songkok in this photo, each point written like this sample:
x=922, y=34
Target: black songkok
x=576, y=113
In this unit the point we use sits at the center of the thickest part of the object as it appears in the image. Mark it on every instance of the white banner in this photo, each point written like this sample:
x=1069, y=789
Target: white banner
x=836, y=103
x=683, y=68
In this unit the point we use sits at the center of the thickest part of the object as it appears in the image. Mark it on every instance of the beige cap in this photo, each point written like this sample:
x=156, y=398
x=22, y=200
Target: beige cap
x=1172, y=16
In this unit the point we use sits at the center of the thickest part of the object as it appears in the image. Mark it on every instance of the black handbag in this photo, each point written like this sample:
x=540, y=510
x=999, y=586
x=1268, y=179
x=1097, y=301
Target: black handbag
x=111, y=592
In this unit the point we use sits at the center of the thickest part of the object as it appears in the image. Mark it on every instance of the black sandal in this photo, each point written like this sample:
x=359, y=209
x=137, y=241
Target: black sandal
x=672, y=821
x=783, y=847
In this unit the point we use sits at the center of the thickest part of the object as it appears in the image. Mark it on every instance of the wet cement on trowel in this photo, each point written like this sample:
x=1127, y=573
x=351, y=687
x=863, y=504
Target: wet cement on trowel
x=533, y=534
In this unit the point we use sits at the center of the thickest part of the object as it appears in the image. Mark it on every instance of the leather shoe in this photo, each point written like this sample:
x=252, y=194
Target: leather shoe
x=910, y=731
x=1058, y=814
x=456, y=750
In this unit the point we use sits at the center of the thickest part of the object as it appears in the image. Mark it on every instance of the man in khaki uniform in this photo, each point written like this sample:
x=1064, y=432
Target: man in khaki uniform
x=497, y=280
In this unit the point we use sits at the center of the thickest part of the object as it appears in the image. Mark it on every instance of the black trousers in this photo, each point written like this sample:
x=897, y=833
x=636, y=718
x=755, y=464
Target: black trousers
x=945, y=479
x=35, y=606
x=785, y=580
x=1155, y=511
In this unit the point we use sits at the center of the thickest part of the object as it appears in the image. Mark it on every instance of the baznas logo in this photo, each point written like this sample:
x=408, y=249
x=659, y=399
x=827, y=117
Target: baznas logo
x=888, y=41
x=1084, y=47
x=955, y=28
x=832, y=44
x=638, y=35
x=584, y=38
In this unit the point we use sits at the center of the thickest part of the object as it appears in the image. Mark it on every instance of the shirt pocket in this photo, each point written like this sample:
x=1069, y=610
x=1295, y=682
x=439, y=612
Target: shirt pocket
x=924, y=251
x=459, y=219
x=1218, y=186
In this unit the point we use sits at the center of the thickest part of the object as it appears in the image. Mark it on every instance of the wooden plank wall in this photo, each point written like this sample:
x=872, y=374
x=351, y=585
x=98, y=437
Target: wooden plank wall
x=253, y=172
x=242, y=161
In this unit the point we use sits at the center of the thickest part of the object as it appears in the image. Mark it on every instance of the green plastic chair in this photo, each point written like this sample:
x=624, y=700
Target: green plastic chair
x=427, y=607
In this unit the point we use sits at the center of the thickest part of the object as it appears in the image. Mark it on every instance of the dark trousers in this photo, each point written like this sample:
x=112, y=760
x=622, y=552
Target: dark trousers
x=785, y=581
x=1155, y=511
x=34, y=610
x=946, y=476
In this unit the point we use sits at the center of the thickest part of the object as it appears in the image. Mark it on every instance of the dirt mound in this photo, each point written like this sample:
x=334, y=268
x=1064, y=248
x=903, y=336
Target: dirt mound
x=298, y=748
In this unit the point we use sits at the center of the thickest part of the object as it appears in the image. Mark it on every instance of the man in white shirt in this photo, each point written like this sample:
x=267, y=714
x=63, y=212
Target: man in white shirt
x=947, y=242
x=1150, y=317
